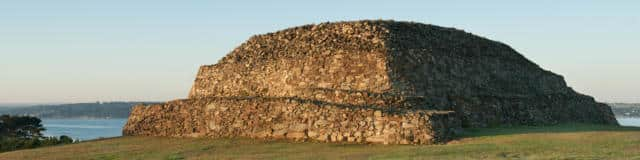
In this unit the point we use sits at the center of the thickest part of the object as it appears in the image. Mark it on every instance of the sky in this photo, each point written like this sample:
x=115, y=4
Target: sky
x=67, y=51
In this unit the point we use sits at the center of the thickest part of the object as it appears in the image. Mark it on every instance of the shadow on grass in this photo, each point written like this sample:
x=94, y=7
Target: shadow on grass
x=559, y=128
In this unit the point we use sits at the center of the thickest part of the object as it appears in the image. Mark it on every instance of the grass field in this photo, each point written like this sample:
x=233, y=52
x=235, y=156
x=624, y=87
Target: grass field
x=567, y=141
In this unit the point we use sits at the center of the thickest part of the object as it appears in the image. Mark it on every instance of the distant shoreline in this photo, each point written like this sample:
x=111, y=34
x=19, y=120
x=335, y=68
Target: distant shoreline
x=84, y=118
x=97, y=110
x=121, y=110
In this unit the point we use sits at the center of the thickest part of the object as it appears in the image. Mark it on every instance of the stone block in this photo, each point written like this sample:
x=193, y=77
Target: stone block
x=296, y=135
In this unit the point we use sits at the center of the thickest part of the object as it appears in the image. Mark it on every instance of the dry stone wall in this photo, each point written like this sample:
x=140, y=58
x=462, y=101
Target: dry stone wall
x=341, y=63
x=486, y=82
x=367, y=82
x=288, y=118
x=340, y=78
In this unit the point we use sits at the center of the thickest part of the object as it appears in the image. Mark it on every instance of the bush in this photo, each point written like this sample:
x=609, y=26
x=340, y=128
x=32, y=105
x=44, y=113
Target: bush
x=24, y=132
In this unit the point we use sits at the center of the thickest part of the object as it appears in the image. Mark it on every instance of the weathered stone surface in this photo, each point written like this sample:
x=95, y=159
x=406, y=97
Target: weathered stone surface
x=367, y=81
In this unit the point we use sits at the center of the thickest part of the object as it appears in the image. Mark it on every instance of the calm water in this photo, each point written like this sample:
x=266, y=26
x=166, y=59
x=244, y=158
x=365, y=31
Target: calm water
x=629, y=121
x=86, y=129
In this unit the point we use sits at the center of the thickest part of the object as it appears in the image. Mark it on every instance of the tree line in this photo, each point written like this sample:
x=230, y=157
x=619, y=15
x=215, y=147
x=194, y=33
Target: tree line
x=626, y=109
x=76, y=110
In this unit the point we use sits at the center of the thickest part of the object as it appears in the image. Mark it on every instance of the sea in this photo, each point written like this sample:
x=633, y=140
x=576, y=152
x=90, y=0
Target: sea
x=632, y=122
x=88, y=129
x=84, y=129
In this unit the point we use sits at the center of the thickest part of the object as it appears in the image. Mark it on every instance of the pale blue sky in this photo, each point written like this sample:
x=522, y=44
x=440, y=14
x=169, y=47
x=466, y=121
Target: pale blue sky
x=84, y=50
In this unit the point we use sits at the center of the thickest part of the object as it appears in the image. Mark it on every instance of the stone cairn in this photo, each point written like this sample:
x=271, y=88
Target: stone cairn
x=366, y=82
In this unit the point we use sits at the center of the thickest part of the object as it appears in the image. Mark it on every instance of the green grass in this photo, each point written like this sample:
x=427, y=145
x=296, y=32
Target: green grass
x=567, y=141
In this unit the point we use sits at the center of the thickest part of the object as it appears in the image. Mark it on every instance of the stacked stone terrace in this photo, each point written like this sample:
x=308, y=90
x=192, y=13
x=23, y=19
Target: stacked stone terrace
x=367, y=82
